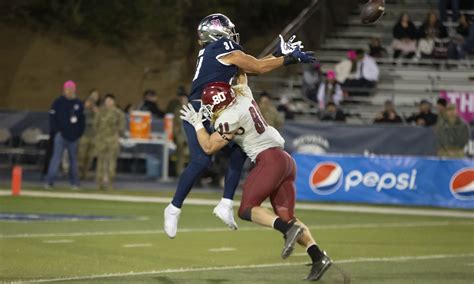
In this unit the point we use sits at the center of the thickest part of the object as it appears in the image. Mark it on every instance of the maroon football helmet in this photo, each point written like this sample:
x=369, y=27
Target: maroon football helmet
x=215, y=97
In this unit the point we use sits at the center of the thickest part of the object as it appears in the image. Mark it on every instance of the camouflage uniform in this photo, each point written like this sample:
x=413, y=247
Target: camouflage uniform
x=179, y=137
x=86, y=151
x=109, y=125
x=272, y=116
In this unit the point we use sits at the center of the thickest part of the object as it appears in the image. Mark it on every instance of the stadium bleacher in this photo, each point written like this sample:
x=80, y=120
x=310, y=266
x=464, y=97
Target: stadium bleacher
x=406, y=84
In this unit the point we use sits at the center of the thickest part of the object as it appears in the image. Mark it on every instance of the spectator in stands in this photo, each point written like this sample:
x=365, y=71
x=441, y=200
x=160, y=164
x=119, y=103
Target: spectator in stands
x=424, y=117
x=443, y=6
x=347, y=67
x=332, y=113
x=269, y=111
x=286, y=108
x=452, y=134
x=67, y=121
x=430, y=31
x=329, y=91
x=312, y=77
x=86, y=143
x=441, y=104
x=458, y=46
x=405, y=36
x=150, y=104
x=463, y=26
x=376, y=50
x=365, y=77
x=388, y=115
x=110, y=126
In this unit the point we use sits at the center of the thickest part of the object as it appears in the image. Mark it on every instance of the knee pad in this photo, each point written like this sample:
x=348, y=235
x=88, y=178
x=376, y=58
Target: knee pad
x=246, y=214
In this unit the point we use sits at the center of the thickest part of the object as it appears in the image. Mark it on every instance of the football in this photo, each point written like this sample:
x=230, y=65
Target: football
x=372, y=11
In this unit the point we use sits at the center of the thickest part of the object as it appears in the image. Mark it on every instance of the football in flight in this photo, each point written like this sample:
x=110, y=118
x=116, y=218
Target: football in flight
x=372, y=11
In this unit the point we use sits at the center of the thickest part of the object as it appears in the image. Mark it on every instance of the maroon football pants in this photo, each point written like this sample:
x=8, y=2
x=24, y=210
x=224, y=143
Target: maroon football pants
x=273, y=176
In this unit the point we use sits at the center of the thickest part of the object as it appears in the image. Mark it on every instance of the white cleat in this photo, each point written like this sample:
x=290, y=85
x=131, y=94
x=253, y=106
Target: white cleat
x=224, y=211
x=171, y=214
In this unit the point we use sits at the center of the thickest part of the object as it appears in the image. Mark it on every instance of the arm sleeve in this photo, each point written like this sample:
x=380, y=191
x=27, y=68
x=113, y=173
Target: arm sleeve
x=321, y=101
x=122, y=123
x=53, y=123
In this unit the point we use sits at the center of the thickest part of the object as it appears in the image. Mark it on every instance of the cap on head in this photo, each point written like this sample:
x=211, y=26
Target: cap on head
x=69, y=85
x=331, y=75
x=351, y=54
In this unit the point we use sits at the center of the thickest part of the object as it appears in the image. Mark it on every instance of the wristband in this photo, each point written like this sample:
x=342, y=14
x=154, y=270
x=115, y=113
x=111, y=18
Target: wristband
x=289, y=60
x=198, y=126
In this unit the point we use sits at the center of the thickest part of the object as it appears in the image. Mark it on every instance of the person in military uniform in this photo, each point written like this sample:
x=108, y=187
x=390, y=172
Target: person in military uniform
x=269, y=111
x=179, y=137
x=86, y=143
x=109, y=124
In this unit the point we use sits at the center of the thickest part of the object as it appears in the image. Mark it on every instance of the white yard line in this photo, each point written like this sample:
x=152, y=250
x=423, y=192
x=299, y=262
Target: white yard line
x=252, y=266
x=210, y=202
x=224, y=229
x=58, y=241
x=136, y=245
x=223, y=249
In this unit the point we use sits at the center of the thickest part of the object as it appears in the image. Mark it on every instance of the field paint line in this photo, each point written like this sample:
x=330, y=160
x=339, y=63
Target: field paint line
x=225, y=229
x=136, y=245
x=223, y=249
x=251, y=266
x=210, y=202
x=58, y=241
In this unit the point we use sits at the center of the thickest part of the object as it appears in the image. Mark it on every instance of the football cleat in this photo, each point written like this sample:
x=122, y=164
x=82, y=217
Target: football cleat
x=171, y=215
x=293, y=234
x=319, y=267
x=224, y=211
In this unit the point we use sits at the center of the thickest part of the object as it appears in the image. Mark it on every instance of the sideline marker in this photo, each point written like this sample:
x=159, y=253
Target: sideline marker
x=16, y=180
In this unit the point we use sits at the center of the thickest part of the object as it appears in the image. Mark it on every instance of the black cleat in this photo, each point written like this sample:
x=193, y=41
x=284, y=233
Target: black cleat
x=319, y=268
x=293, y=234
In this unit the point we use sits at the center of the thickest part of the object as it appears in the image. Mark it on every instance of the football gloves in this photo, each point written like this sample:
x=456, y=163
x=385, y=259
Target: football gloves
x=193, y=117
x=285, y=48
x=298, y=56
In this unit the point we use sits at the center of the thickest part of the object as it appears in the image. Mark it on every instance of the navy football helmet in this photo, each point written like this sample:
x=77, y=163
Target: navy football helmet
x=214, y=27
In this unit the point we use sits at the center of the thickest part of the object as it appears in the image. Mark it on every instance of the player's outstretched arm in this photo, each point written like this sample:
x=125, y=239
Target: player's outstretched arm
x=251, y=64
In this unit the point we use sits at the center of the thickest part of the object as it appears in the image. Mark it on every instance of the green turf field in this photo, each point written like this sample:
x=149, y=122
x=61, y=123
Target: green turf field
x=369, y=248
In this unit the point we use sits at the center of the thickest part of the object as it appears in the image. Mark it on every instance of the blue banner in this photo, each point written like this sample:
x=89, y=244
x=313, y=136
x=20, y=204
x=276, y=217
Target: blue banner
x=386, y=180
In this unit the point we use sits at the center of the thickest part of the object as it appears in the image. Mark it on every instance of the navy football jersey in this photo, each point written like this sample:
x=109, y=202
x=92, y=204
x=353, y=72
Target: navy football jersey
x=209, y=69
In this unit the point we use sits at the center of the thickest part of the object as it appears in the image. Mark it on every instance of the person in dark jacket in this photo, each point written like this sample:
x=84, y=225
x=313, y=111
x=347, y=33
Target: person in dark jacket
x=149, y=104
x=332, y=113
x=389, y=115
x=405, y=36
x=67, y=121
x=424, y=117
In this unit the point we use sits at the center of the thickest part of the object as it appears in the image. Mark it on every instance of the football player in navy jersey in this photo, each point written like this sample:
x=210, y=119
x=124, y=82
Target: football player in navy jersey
x=220, y=59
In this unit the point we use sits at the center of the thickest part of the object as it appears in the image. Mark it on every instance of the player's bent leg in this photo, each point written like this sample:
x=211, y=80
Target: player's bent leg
x=319, y=258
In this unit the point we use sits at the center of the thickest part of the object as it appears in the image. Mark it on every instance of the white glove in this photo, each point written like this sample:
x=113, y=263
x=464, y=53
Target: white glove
x=190, y=115
x=287, y=47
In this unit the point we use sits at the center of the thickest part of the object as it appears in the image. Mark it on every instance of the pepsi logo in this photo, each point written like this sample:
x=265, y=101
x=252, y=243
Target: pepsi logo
x=325, y=178
x=462, y=184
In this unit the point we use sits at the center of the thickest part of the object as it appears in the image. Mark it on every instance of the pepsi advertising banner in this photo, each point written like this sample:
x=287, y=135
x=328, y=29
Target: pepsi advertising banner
x=385, y=180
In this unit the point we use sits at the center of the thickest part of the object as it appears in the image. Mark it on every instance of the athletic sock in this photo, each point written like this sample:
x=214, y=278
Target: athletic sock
x=282, y=226
x=314, y=252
